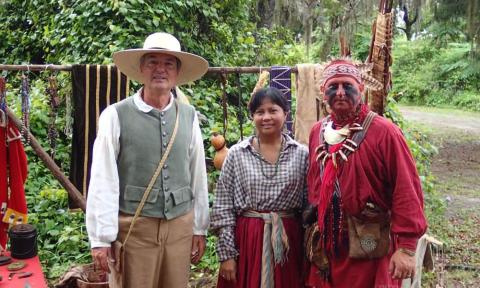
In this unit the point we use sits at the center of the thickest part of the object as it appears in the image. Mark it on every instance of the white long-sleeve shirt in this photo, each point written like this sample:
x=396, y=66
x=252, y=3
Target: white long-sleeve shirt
x=104, y=191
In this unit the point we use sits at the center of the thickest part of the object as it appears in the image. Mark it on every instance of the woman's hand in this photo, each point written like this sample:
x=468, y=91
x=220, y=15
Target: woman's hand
x=228, y=270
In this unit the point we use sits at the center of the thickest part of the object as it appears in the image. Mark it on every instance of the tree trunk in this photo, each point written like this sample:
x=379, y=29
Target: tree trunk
x=409, y=22
x=265, y=10
x=308, y=35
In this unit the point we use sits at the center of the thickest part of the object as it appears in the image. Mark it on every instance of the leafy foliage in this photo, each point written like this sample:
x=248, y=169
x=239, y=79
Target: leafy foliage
x=62, y=235
x=67, y=31
x=426, y=75
x=63, y=31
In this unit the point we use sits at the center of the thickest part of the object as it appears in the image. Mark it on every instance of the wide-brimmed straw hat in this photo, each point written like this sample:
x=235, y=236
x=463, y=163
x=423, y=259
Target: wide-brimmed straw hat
x=193, y=67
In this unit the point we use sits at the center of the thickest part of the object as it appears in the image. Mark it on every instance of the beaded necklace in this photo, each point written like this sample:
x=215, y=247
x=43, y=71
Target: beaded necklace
x=263, y=160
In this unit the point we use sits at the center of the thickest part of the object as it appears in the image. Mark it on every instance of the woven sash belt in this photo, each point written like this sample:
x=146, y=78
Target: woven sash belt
x=274, y=240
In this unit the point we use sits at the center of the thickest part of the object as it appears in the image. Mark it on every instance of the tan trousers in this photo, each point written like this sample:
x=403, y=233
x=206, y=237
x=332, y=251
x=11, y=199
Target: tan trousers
x=157, y=253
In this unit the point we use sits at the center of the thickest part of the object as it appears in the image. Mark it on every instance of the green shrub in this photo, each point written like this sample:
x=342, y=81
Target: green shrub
x=62, y=237
x=426, y=75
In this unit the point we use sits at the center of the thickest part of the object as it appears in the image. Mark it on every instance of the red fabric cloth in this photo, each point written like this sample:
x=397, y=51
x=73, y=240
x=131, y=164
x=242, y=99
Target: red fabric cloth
x=14, y=207
x=249, y=240
x=3, y=185
x=381, y=171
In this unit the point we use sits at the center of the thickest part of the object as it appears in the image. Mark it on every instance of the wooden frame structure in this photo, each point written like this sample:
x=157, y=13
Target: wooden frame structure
x=57, y=172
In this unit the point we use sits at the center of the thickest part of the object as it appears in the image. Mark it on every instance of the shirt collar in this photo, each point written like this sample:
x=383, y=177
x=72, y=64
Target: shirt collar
x=247, y=143
x=144, y=107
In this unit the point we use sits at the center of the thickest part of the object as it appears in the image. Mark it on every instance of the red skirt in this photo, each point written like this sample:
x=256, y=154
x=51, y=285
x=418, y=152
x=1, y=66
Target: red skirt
x=249, y=241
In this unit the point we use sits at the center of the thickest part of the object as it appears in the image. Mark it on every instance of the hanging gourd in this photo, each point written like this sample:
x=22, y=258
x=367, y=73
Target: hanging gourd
x=218, y=142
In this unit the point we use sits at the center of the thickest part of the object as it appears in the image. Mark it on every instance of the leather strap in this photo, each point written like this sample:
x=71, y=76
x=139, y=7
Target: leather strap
x=155, y=175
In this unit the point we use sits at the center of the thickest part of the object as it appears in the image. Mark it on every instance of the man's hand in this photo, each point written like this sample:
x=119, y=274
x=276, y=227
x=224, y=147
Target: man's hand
x=228, y=270
x=402, y=265
x=198, y=248
x=101, y=256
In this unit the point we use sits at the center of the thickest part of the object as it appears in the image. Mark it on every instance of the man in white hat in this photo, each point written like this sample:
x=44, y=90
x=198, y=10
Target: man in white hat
x=133, y=136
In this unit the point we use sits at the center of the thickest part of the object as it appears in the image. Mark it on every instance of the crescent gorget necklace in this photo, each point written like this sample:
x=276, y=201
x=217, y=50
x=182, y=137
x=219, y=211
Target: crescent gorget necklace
x=262, y=159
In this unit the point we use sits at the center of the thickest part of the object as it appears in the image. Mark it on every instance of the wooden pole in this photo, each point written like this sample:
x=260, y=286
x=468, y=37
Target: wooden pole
x=36, y=67
x=51, y=165
x=211, y=70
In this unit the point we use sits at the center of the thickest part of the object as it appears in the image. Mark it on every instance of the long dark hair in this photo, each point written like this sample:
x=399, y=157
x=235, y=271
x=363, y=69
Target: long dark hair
x=267, y=93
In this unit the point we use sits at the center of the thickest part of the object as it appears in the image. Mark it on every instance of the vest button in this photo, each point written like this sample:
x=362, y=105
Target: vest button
x=164, y=144
x=162, y=113
x=166, y=188
x=165, y=177
x=165, y=166
x=163, y=122
x=164, y=134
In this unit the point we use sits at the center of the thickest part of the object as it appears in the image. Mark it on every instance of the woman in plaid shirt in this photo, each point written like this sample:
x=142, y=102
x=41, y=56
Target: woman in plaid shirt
x=260, y=192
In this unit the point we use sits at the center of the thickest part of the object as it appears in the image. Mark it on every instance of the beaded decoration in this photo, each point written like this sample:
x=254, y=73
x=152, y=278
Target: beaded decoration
x=54, y=102
x=348, y=146
x=25, y=95
x=3, y=103
x=345, y=143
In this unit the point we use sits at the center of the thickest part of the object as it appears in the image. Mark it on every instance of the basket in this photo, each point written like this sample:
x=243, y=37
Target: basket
x=96, y=279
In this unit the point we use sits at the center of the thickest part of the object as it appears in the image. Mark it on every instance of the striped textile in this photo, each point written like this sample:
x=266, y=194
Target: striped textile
x=275, y=243
x=94, y=88
x=280, y=78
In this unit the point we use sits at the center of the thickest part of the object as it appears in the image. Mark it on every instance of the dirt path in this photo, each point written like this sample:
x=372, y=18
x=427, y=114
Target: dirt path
x=456, y=169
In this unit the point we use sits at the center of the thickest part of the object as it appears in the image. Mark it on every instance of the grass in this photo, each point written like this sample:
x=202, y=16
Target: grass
x=442, y=110
x=456, y=220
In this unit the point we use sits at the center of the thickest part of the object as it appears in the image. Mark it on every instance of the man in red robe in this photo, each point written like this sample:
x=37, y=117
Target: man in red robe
x=348, y=173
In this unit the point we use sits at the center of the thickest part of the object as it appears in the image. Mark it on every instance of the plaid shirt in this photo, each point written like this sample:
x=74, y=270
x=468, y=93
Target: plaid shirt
x=243, y=186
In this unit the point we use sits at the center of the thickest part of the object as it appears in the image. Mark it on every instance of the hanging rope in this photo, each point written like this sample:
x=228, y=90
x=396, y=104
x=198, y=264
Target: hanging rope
x=240, y=105
x=223, y=84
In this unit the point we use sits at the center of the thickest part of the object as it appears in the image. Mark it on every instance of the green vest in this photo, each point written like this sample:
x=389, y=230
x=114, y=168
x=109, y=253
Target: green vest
x=143, y=139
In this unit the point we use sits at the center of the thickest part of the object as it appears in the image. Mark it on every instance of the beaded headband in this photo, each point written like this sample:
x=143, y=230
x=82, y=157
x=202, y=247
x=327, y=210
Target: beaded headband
x=341, y=67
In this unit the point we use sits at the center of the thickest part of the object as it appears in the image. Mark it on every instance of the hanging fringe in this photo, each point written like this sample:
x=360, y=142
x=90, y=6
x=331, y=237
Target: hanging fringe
x=240, y=105
x=262, y=79
x=3, y=103
x=54, y=102
x=280, y=245
x=25, y=94
x=68, y=130
x=223, y=84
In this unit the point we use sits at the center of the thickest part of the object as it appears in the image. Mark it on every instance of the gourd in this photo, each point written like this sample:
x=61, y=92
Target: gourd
x=218, y=142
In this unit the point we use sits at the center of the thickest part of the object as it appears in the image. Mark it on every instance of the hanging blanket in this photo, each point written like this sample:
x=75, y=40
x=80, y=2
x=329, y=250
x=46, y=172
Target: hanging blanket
x=309, y=100
x=13, y=173
x=280, y=78
x=94, y=88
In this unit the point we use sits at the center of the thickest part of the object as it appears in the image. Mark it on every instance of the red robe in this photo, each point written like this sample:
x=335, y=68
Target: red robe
x=381, y=171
